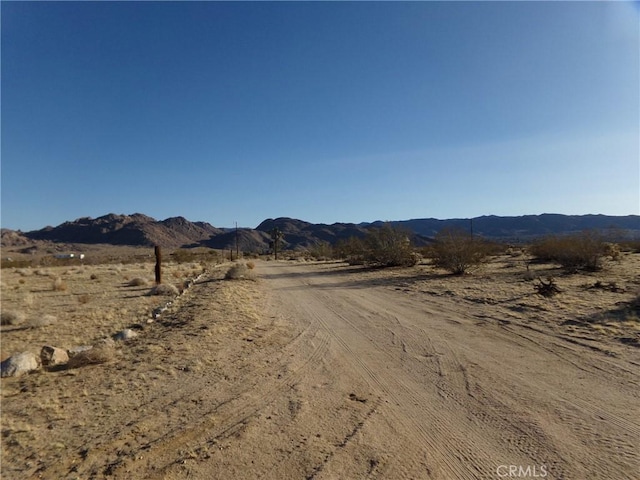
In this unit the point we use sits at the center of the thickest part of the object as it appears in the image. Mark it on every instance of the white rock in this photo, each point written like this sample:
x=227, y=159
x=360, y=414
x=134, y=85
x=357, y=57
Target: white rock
x=52, y=356
x=73, y=351
x=19, y=364
x=126, y=334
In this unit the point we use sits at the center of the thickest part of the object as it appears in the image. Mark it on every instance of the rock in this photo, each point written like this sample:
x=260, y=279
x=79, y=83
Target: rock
x=73, y=351
x=19, y=364
x=51, y=356
x=106, y=342
x=126, y=334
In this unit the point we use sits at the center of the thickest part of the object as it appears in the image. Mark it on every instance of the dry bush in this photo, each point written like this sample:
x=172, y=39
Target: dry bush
x=322, y=251
x=389, y=247
x=93, y=356
x=164, y=289
x=240, y=271
x=457, y=251
x=352, y=250
x=59, y=285
x=10, y=317
x=43, y=321
x=585, y=250
x=548, y=289
x=138, y=282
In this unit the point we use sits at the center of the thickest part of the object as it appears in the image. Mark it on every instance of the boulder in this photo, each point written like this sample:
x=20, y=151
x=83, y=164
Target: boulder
x=52, y=356
x=19, y=364
x=124, y=335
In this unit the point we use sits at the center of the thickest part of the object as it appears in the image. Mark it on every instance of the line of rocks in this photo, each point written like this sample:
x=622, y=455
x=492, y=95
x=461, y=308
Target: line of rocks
x=54, y=358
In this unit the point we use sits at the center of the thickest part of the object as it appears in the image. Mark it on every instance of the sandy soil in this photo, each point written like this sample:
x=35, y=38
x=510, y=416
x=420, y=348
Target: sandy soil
x=323, y=371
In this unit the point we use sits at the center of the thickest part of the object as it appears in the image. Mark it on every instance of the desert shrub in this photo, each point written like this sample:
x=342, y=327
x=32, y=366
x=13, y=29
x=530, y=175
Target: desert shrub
x=11, y=317
x=632, y=246
x=43, y=321
x=548, y=289
x=352, y=250
x=164, y=289
x=457, y=251
x=612, y=250
x=59, y=285
x=389, y=247
x=321, y=251
x=240, y=271
x=585, y=250
x=96, y=355
x=137, y=282
x=183, y=255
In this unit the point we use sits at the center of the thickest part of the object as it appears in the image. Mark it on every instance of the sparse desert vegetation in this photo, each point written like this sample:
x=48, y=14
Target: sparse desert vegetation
x=259, y=351
x=241, y=271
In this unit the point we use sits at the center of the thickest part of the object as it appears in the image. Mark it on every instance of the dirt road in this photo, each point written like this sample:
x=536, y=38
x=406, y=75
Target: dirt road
x=321, y=374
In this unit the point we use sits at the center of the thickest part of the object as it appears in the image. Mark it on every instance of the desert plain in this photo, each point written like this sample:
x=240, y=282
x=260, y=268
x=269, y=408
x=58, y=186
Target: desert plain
x=322, y=370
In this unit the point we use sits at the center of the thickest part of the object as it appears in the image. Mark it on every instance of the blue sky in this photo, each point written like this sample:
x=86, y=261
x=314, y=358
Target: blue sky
x=327, y=112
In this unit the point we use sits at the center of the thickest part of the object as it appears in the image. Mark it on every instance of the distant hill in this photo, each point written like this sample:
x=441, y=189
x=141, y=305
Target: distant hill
x=304, y=234
x=526, y=227
x=136, y=229
x=139, y=229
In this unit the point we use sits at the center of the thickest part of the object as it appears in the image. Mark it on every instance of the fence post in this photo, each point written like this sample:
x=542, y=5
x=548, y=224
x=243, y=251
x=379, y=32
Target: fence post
x=158, y=265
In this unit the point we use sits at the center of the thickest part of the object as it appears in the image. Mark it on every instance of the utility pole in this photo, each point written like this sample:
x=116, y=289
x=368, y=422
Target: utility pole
x=237, y=247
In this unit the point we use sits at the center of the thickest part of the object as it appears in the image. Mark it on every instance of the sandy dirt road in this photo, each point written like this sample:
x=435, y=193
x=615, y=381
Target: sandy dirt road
x=321, y=375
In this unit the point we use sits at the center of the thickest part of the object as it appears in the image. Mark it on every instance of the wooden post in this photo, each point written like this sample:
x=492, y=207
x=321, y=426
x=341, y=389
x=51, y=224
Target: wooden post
x=158, y=265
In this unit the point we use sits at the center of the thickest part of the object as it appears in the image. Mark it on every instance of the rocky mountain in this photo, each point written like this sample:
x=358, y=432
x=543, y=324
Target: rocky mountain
x=138, y=229
x=304, y=234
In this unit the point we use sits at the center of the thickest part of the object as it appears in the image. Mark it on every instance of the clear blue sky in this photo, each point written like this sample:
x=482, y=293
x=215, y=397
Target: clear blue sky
x=327, y=112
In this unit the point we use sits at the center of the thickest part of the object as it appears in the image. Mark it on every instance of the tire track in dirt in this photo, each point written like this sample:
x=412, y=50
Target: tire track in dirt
x=107, y=455
x=225, y=417
x=457, y=456
x=395, y=329
x=524, y=435
x=453, y=385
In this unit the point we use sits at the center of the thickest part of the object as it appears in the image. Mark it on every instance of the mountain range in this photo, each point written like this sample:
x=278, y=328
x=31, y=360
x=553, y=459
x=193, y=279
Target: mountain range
x=174, y=232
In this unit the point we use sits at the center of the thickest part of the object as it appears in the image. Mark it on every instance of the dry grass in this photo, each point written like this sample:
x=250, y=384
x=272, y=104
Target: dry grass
x=102, y=305
x=93, y=356
x=164, y=289
x=59, y=285
x=240, y=271
x=11, y=317
x=42, y=321
x=138, y=282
